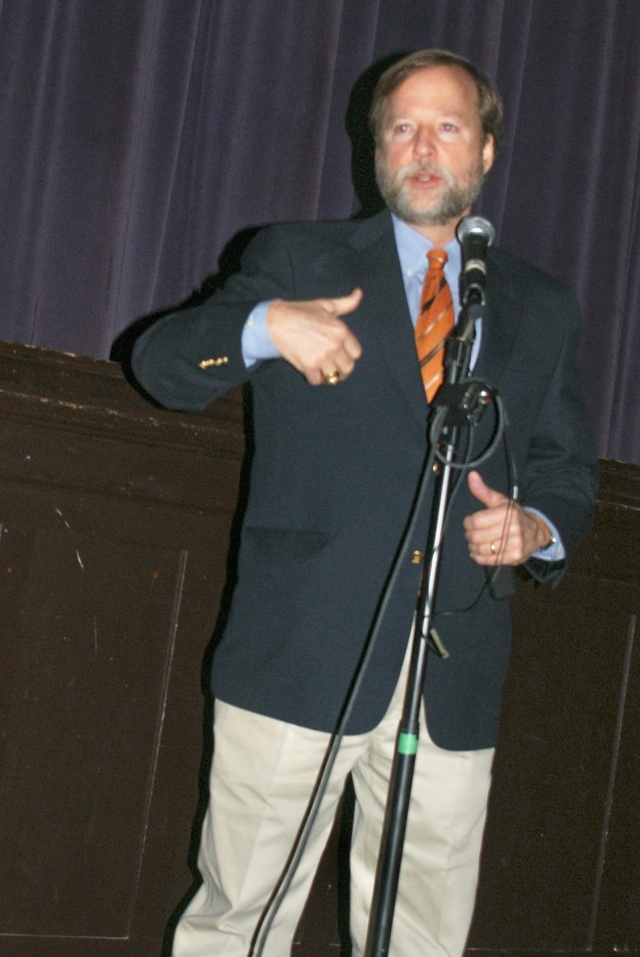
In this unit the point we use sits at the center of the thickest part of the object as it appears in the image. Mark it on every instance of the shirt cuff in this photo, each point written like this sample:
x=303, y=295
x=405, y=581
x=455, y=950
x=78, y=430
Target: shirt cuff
x=555, y=552
x=256, y=342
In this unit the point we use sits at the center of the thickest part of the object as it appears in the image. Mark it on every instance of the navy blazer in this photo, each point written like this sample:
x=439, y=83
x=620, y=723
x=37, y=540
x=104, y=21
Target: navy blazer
x=335, y=470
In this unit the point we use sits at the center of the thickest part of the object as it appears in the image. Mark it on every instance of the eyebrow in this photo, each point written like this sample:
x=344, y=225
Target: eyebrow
x=394, y=118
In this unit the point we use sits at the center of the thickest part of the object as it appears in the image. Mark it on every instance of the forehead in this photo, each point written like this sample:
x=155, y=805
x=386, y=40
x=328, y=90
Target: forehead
x=439, y=88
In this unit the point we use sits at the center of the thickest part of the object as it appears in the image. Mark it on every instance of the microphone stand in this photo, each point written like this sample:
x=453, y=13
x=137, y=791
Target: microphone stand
x=460, y=402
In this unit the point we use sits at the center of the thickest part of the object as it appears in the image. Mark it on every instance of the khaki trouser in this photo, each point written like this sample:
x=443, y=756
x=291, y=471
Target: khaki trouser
x=262, y=776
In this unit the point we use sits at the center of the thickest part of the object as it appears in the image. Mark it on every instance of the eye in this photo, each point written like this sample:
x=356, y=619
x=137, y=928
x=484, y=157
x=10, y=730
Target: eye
x=402, y=129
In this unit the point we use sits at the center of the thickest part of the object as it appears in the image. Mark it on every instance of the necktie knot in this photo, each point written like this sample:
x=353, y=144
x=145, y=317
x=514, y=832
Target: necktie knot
x=437, y=258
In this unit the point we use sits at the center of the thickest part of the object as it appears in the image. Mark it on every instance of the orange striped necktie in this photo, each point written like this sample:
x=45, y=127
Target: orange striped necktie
x=435, y=322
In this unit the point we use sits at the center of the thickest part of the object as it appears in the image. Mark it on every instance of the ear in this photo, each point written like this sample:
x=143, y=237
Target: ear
x=488, y=153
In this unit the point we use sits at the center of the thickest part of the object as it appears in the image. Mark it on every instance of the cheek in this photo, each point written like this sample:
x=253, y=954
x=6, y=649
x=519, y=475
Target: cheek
x=394, y=149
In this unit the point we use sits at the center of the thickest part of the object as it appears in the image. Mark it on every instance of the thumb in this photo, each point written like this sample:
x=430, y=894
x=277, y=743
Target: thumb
x=480, y=490
x=342, y=305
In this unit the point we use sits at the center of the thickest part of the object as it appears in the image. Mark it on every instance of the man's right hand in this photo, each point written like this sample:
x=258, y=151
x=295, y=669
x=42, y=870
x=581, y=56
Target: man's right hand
x=313, y=338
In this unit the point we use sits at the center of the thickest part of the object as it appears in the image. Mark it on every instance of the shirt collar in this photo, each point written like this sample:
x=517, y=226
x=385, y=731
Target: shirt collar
x=412, y=251
x=413, y=248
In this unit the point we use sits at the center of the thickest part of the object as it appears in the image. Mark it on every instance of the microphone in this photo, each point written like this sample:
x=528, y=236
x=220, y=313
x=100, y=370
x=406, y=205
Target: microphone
x=475, y=234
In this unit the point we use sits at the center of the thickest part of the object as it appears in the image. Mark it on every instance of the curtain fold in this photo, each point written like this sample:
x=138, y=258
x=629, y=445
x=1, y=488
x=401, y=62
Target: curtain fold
x=140, y=136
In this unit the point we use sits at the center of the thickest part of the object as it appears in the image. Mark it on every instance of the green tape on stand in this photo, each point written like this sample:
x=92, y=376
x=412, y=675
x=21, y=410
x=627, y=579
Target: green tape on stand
x=407, y=743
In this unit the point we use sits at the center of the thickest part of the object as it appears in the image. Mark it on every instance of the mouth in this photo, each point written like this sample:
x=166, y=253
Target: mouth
x=424, y=178
x=423, y=175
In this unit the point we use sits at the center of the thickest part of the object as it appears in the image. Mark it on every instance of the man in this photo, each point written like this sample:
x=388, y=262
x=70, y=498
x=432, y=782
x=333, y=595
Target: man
x=320, y=319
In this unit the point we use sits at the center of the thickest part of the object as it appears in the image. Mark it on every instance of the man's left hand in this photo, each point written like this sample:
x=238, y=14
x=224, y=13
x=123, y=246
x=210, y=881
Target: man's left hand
x=503, y=532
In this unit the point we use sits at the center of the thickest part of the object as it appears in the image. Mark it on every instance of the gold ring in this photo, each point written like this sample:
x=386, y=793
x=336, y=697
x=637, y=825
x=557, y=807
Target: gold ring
x=331, y=378
x=493, y=548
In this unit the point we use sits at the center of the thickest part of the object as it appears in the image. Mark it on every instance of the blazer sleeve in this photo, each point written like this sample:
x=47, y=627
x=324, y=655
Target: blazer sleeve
x=188, y=358
x=561, y=472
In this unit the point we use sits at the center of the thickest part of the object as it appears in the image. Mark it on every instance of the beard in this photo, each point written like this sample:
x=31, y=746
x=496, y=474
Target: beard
x=456, y=198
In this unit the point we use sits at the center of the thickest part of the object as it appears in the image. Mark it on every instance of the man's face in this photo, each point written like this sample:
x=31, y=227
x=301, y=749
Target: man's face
x=432, y=157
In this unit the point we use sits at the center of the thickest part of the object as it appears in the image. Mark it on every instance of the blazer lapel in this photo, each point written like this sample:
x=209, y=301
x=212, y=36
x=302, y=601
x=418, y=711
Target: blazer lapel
x=500, y=325
x=386, y=307
x=377, y=269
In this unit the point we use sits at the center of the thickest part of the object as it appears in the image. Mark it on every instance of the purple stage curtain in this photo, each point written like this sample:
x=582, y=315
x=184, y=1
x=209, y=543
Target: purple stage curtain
x=138, y=137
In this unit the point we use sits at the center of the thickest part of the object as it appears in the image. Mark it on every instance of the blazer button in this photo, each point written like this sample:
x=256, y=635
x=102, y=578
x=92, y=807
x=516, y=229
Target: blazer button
x=219, y=361
x=417, y=557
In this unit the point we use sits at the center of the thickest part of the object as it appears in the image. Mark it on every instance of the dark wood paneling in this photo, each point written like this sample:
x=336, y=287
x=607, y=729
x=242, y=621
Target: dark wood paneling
x=560, y=867
x=115, y=520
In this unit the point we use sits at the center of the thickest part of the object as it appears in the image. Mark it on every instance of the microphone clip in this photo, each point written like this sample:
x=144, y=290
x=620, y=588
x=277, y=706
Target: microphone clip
x=466, y=401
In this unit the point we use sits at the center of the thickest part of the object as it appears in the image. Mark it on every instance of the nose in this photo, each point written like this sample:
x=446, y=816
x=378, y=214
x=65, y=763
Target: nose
x=424, y=142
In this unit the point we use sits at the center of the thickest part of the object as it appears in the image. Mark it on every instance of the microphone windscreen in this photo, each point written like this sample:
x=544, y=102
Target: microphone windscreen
x=476, y=227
